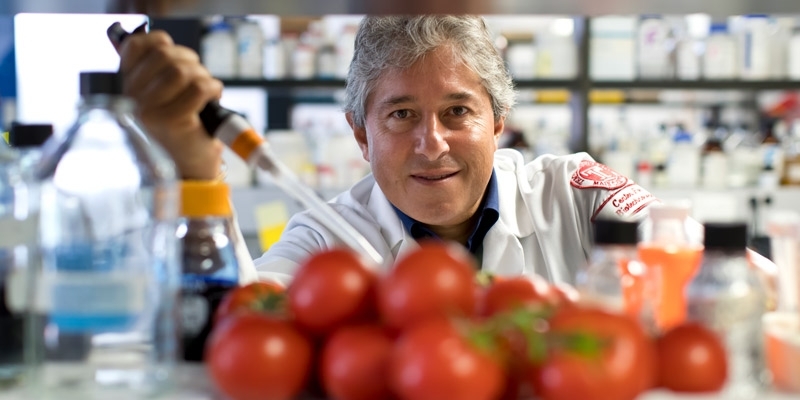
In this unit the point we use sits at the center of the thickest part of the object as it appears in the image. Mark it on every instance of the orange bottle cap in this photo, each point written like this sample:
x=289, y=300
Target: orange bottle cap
x=204, y=199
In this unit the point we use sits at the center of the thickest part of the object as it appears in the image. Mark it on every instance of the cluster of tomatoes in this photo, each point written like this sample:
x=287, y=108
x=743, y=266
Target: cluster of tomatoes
x=428, y=329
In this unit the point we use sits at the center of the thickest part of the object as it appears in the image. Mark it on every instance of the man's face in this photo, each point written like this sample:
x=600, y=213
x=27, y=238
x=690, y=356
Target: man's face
x=430, y=137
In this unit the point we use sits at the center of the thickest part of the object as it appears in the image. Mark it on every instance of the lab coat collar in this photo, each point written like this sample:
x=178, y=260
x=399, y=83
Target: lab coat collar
x=391, y=227
x=515, y=217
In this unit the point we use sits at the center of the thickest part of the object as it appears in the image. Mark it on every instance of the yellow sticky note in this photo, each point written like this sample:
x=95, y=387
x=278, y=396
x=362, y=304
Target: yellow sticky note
x=606, y=96
x=5, y=137
x=552, y=96
x=271, y=219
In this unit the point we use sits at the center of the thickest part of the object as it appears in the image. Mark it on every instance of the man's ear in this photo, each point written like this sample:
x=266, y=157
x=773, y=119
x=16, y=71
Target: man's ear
x=360, y=133
x=499, y=126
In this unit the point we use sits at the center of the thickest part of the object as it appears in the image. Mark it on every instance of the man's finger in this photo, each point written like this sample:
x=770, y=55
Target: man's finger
x=135, y=47
x=117, y=34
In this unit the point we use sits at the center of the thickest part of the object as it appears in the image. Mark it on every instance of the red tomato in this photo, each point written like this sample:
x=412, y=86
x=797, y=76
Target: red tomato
x=253, y=356
x=432, y=360
x=623, y=368
x=260, y=296
x=561, y=295
x=331, y=288
x=355, y=363
x=691, y=358
x=435, y=279
x=509, y=293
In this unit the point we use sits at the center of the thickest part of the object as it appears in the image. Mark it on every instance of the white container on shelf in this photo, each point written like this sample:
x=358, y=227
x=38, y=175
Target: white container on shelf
x=556, y=57
x=621, y=161
x=653, y=49
x=303, y=62
x=715, y=170
x=250, y=48
x=793, y=56
x=291, y=148
x=345, y=47
x=612, y=48
x=688, y=59
x=720, y=57
x=683, y=170
x=521, y=60
x=326, y=61
x=274, y=62
x=756, y=48
x=218, y=51
x=781, y=33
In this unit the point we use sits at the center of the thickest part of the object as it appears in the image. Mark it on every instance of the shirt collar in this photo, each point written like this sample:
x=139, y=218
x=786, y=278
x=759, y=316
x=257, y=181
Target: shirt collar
x=488, y=214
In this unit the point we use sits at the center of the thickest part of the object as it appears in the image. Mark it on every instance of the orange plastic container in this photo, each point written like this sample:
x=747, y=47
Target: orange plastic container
x=670, y=269
x=782, y=341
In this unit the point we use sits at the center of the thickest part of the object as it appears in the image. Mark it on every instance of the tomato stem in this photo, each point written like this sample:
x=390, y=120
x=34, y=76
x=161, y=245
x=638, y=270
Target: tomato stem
x=580, y=343
x=530, y=323
x=271, y=303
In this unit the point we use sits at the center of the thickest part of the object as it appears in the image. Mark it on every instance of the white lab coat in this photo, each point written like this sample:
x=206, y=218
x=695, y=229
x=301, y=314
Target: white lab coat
x=546, y=209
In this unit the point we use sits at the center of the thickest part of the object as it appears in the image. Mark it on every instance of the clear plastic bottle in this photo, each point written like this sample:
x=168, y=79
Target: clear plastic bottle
x=110, y=272
x=18, y=226
x=210, y=265
x=671, y=251
x=613, y=280
x=728, y=296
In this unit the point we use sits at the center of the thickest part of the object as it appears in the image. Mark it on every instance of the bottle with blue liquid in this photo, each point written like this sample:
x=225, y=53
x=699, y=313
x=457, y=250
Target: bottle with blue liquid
x=110, y=272
x=210, y=265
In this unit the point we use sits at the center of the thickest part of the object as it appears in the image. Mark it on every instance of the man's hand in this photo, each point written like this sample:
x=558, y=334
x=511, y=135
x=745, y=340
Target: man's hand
x=170, y=86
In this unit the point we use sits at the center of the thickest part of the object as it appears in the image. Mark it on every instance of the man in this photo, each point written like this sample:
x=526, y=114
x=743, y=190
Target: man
x=427, y=99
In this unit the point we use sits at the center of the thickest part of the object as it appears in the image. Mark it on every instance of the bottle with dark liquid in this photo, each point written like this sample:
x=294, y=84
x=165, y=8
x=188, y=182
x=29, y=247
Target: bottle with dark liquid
x=210, y=266
x=18, y=225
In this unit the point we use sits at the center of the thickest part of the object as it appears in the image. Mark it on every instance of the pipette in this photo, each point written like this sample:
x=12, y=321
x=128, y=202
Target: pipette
x=237, y=133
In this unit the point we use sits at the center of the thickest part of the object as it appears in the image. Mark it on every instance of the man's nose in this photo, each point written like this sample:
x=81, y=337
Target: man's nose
x=431, y=140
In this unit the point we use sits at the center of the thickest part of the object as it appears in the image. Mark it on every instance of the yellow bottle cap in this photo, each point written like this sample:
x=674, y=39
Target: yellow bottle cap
x=204, y=199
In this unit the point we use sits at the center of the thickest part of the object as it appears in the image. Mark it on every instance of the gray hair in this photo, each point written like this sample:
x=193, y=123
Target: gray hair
x=399, y=41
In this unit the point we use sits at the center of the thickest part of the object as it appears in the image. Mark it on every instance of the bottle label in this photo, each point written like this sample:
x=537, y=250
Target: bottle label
x=94, y=302
x=195, y=312
x=101, y=287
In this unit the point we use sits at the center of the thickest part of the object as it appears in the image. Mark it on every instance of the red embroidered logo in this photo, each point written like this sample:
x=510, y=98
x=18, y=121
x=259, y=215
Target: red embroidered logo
x=625, y=202
x=592, y=174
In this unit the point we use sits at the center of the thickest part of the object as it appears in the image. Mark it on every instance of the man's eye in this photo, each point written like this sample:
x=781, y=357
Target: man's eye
x=459, y=110
x=401, y=114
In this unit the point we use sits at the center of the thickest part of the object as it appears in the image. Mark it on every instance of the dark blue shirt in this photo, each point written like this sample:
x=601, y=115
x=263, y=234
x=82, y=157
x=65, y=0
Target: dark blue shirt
x=488, y=214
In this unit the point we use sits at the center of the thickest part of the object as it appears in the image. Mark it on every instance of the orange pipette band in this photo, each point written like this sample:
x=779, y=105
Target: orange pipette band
x=246, y=143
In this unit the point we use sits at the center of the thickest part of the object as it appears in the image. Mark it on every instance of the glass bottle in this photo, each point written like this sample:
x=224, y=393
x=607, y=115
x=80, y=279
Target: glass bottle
x=791, y=159
x=728, y=297
x=109, y=277
x=672, y=254
x=18, y=227
x=782, y=326
x=210, y=265
x=771, y=149
x=613, y=278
